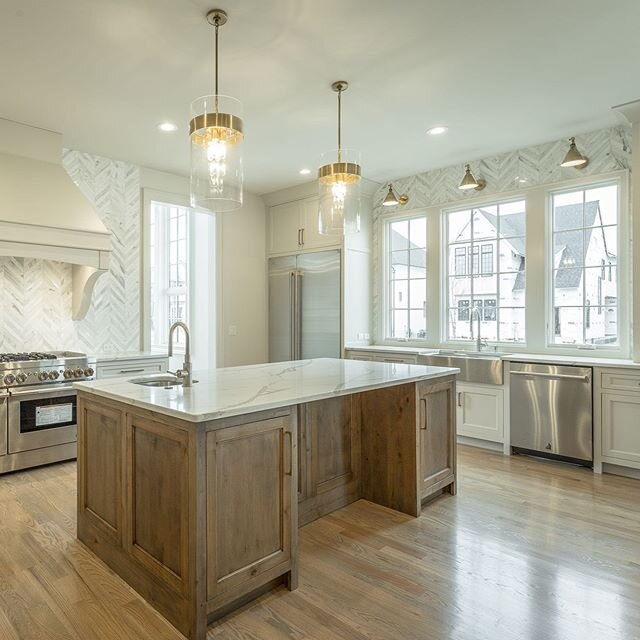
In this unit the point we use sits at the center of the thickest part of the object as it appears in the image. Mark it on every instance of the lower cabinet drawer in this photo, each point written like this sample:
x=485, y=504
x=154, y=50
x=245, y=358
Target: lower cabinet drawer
x=480, y=412
x=131, y=368
x=620, y=381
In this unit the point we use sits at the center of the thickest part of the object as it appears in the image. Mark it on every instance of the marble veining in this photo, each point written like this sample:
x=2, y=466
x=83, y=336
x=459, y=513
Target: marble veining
x=232, y=391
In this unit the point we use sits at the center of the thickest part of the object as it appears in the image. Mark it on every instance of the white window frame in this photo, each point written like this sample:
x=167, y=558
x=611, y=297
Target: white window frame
x=623, y=266
x=497, y=200
x=386, y=280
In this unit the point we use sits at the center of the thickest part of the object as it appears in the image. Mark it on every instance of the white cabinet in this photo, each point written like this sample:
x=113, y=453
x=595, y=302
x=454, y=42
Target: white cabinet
x=621, y=428
x=381, y=356
x=480, y=412
x=293, y=227
x=119, y=367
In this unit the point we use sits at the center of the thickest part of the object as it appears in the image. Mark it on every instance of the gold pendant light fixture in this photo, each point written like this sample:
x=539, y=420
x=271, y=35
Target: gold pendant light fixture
x=216, y=134
x=391, y=199
x=469, y=181
x=574, y=158
x=339, y=184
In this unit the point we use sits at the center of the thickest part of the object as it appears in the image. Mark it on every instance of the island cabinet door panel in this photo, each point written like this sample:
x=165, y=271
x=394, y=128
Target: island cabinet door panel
x=158, y=499
x=436, y=417
x=251, y=481
x=100, y=446
x=332, y=431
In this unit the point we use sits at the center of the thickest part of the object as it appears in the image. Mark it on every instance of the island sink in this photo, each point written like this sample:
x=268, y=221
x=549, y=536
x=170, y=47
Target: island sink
x=194, y=495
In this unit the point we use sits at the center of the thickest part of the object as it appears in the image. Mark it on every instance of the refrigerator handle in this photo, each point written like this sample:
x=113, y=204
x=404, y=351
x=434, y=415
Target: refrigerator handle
x=298, y=315
x=292, y=314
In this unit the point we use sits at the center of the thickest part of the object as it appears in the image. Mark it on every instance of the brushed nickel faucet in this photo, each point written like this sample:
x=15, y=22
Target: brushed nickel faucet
x=184, y=374
x=476, y=313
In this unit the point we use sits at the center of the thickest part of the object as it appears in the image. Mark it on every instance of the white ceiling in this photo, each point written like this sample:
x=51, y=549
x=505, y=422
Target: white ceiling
x=500, y=73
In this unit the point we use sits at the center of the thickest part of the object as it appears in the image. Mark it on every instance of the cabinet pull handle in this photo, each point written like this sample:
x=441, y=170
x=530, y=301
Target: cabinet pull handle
x=131, y=370
x=290, y=456
x=459, y=398
x=302, y=237
x=423, y=410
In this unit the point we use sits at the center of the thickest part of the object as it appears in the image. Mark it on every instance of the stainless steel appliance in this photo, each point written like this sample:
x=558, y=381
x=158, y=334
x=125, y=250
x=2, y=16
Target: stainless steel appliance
x=304, y=306
x=552, y=411
x=38, y=406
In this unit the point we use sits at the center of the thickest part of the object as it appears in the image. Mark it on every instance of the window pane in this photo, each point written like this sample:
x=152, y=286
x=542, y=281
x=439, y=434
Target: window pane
x=459, y=226
x=417, y=323
x=567, y=287
x=568, y=249
x=418, y=232
x=512, y=289
x=607, y=204
x=512, y=254
x=459, y=288
x=458, y=329
x=601, y=244
x=485, y=222
x=513, y=219
x=568, y=327
x=512, y=325
x=399, y=235
x=486, y=286
x=399, y=265
x=567, y=210
x=418, y=259
x=399, y=323
x=486, y=259
x=488, y=330
x=399, y=294
x=417, y=293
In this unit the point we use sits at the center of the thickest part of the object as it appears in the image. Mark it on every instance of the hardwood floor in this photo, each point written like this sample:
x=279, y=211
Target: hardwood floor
x=527, y=550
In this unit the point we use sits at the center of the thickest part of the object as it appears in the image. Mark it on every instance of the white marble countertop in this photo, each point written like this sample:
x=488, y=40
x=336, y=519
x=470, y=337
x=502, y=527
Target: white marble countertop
x=233, y=391
x=389, y=348
x=116, y=356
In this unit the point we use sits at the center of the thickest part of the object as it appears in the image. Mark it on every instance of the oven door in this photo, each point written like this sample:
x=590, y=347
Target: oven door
x=41, y=417
x=3, y=423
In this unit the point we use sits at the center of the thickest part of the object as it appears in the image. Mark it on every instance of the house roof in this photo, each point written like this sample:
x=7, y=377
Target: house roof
x=419, y=258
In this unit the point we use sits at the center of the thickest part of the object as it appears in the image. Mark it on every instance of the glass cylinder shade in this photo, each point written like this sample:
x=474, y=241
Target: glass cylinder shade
x=339, y=183
x=216, y=134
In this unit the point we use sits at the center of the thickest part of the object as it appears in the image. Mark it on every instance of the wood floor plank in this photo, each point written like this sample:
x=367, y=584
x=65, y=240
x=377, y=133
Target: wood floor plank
x=527, y=550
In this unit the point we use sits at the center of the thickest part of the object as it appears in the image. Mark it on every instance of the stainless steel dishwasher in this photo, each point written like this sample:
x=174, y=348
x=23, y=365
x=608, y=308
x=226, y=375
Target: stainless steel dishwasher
x=551, y=411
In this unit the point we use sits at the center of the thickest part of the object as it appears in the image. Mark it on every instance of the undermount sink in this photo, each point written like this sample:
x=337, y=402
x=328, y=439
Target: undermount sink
x=165, y=380
x=484, y=367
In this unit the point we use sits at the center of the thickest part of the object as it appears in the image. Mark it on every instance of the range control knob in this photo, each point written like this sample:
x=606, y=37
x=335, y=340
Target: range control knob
x=43, y=375
x=77, y=373
x=20, y=378
x=68, y=373
x=9, y=378
x=88, y=372
x=54, y=375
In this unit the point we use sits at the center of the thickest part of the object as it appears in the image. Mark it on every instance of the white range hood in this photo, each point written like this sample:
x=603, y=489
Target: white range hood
x=43, y=214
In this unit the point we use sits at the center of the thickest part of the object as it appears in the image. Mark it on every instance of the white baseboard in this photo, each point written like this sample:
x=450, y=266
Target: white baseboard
x=481, y=444
x=618, y=470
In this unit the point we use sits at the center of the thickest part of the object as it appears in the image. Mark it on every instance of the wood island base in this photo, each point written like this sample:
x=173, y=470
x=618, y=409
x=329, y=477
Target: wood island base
x=201, y=517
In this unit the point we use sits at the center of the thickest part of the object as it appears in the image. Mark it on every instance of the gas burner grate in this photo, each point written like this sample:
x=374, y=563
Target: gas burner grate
x=26, y=357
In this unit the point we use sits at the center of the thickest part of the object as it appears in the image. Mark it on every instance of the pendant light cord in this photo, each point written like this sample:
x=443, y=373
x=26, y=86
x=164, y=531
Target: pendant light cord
x=216, y=64
x=339, y=125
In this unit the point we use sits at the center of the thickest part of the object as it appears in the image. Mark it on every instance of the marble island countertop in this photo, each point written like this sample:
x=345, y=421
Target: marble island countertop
x=233, y=391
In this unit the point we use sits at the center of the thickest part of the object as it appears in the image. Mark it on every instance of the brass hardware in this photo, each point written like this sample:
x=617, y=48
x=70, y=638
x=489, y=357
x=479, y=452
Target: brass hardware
x=459, y=398
x=217, y=17
x=216, y=126
x=469, y=181
x=391, y=199
x=574, y=158
x=348, y=172
x=302, y=237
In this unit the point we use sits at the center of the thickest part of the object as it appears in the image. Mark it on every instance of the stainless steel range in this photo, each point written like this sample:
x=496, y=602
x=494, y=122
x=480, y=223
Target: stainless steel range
x=38, y=406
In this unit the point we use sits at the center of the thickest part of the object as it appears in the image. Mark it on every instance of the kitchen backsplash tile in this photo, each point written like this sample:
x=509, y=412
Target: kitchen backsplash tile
x=35, y=295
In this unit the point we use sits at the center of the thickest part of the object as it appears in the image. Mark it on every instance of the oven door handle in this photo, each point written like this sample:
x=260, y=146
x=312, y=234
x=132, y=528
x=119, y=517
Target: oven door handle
x=42, y=392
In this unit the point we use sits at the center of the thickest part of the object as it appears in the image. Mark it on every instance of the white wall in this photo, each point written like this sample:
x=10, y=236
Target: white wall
x=242, y=284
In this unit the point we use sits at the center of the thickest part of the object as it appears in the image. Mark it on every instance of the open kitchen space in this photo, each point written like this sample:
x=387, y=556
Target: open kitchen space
x=319, y=321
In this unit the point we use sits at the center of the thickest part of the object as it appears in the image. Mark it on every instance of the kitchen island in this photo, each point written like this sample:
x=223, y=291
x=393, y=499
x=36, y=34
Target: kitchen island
x=194, y=495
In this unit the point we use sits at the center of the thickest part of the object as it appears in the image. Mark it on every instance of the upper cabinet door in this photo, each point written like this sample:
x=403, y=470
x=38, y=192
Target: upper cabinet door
x=311, y=237
x=285, y=224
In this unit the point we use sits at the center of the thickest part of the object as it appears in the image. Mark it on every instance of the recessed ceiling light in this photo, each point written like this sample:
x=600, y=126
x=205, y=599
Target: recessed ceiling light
x=436, y=131
x=167, y=126
x=305, y=172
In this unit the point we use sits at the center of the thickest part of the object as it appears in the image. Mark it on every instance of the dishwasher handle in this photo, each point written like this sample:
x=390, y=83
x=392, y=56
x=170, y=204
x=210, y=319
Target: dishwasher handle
x=563, y=376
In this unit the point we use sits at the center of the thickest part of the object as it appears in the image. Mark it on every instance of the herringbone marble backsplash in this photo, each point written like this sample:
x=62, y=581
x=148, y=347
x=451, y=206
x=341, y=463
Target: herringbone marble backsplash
x=35, y=295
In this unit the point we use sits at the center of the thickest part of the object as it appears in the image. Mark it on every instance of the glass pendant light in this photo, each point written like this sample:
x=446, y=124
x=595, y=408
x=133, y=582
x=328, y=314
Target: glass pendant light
x=339, y=184
x=574, y=158
x=216, y=133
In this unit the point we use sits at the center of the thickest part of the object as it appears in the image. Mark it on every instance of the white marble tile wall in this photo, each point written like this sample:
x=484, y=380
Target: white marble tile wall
x=35, y=295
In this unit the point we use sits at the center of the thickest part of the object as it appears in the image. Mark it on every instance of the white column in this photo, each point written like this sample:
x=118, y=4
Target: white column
x=631, y=111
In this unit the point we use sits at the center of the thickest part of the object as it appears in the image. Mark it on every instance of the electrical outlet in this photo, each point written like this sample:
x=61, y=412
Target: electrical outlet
x=233, y=330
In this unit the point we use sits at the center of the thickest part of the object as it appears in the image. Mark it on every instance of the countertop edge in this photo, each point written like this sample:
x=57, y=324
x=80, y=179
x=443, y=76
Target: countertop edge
x=239, y=411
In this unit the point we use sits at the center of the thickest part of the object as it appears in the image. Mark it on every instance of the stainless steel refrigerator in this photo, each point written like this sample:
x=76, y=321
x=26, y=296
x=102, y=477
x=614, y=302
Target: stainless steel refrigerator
x=304, y=306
